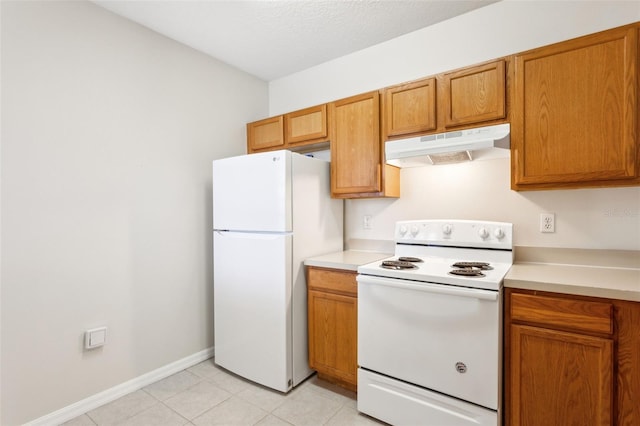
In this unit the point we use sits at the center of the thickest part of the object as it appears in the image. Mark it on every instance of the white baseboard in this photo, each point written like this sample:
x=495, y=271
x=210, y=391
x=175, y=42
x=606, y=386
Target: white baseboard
x=76, y=409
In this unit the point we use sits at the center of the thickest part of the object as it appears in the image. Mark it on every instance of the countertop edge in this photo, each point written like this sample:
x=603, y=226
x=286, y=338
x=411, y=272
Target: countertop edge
x=577, y=290
x=347, y=260
x=582, y=280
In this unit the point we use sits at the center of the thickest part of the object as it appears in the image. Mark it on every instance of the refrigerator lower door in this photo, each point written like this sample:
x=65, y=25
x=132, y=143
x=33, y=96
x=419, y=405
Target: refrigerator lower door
x=252, y=310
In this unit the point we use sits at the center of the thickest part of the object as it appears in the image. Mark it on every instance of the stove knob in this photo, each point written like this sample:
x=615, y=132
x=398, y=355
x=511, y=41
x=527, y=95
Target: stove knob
x=414, y=230
x=446, y=229
x=483, y=233
x=403, y=230
x=498, y=233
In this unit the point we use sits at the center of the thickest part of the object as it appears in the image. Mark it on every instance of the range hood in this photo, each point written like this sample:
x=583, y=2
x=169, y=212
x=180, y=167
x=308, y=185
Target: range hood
x=451, y=147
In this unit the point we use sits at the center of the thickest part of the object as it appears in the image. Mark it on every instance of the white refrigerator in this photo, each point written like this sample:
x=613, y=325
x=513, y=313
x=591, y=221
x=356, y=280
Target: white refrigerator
x=271, y=211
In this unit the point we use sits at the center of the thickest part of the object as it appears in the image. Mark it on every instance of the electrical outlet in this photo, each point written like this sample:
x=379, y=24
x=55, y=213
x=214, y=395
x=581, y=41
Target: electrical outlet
x=366, y=221
x=547, y=222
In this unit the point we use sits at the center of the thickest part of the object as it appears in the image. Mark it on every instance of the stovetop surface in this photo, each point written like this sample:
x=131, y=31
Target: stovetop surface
x=437, y=270
x=441, y=243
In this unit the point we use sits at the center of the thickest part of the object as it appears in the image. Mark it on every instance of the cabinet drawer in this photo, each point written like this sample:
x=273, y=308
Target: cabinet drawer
x=331, y=280
x=563, y=313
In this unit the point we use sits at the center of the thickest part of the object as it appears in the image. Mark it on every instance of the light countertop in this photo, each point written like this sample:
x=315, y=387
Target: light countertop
x=612, y=274
x=347, y=260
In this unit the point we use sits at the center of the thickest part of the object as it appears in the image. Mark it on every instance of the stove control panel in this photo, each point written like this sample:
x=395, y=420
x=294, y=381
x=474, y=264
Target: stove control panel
x=459, y=233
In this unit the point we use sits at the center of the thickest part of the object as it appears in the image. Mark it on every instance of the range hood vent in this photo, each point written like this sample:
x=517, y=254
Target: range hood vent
x=451, y=147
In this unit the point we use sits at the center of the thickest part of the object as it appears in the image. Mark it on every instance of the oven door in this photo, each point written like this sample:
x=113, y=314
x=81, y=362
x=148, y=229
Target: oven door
x=440, y=337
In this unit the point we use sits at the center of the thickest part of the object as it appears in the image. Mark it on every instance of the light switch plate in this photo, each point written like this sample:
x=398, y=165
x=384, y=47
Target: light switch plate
x=95, y=337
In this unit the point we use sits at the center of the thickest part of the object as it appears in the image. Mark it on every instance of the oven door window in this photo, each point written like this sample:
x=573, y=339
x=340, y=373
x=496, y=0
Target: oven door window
x=440, y=337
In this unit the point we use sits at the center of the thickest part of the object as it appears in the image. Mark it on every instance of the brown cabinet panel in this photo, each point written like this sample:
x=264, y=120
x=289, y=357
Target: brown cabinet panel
x=560, y=378
x=332, y=349
x=576, y=114
x=333, y=281
x=410, y=108
x=475, y=94
x=333, y=325
x=627, y=315
x=355, y=145
x=308, y=125
x=265, y=134
x=566, y=313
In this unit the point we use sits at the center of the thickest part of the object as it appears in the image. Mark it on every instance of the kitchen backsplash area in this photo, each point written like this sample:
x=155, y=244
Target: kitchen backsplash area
x=584, y=218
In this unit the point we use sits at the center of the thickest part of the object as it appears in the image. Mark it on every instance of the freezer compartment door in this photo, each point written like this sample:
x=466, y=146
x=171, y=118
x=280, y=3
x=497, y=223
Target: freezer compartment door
x=252, y=312
x=253, y=192
x=399, y=403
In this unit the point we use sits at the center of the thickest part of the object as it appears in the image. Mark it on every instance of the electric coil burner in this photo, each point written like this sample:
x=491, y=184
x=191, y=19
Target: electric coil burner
x=467, y=272
x=410, y=259
x=397, y=264
x=429, y=322
x=470, y=269
x=469, y=265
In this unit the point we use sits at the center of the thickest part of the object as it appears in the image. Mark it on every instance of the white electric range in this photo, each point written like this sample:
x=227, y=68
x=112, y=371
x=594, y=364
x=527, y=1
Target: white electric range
x=429, y=324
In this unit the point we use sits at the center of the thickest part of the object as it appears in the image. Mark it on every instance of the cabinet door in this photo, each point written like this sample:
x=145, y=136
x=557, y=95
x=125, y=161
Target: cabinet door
x=306, y=126
x=410, y=108
x=559, y=378
x=575, y=118
x=265, y=134
x=333, y=335
x=475, y=94
x=355, y=145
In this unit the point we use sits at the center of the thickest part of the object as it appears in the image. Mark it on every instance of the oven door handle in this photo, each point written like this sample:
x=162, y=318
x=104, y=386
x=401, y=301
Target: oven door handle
x=430, y=287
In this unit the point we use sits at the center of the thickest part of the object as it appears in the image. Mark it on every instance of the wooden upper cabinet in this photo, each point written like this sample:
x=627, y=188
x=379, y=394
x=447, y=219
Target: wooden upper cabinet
x=575, y=121
x=265, y=134
x=308, y=125
x=290, y=131
x=410, y=108
x=475, y=94
x=355, y=145
x=466, y=97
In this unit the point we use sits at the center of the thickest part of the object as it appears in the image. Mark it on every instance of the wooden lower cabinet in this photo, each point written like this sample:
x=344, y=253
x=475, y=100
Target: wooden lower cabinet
x=570, y=360
x=333, y=315
x=560, y=378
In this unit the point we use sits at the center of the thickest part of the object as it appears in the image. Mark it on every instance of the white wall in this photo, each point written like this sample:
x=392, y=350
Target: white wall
x=108, y=132
x=592, y=218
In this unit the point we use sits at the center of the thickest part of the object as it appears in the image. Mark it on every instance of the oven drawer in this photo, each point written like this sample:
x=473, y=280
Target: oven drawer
x=440, y=337
x=400, y=403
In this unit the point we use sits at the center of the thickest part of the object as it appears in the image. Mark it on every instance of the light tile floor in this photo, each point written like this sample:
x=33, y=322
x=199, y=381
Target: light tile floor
x=206, y=394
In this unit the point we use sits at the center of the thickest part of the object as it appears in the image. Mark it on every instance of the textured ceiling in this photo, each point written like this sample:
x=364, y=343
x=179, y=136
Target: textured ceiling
x=272, y=39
